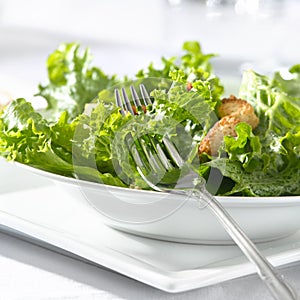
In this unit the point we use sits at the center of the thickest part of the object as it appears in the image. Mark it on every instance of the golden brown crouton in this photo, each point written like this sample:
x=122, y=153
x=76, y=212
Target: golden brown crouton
x=232, y=111
x=233, y=106
x=212, y=141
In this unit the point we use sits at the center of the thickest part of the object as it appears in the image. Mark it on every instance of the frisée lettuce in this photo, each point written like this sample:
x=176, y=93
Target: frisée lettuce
x=65, y=139
x=71, y=81
x=265, y=162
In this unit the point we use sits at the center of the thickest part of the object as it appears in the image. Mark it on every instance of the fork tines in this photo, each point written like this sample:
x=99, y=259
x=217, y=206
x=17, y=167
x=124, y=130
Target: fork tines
x=158, y=159
x=124, y=102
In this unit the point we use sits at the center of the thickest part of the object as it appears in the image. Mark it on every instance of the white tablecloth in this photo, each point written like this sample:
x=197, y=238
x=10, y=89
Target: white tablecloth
x=29, y=272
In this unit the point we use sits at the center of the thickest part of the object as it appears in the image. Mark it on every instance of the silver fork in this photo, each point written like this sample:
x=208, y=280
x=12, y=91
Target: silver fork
x=159, y=162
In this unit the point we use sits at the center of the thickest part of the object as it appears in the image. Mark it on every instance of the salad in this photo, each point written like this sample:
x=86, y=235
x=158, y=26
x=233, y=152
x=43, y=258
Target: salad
x=64, y=139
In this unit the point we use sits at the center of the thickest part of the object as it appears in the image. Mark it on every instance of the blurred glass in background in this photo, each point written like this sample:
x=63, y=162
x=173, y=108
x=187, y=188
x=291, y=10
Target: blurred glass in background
x=258, y=34
x=240, y=29
x=125, y=36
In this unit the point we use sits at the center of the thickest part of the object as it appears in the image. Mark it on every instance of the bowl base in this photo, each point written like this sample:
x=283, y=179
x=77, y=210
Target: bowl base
x=216, y=242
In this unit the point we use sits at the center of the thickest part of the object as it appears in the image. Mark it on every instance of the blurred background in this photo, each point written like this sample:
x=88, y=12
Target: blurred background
x=124, y=36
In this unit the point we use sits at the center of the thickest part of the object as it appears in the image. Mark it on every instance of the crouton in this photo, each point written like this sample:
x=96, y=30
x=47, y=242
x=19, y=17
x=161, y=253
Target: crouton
x=231, y=111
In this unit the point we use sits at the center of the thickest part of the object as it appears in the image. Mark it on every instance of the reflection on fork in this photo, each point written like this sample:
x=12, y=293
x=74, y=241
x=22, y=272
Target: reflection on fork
x=153, y=159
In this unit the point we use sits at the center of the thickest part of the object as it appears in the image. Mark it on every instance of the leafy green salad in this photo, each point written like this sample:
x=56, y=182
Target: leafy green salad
x=64, y=139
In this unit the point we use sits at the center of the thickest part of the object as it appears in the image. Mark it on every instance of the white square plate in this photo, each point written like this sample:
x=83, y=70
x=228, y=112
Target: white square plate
x=36, y=208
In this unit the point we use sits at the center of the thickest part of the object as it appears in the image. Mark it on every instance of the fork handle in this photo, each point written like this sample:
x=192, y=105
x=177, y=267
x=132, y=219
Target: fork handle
x=275, y=282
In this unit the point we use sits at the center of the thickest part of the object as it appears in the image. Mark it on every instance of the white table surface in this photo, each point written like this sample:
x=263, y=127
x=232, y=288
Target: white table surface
x=33, y=273
x=28, y=33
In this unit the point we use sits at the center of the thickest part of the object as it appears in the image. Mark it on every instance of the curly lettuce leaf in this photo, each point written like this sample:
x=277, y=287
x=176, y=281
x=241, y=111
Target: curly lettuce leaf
x=181, y=114
x=28, y=138
x=192, y=109
x=103, y=123
x=21, y=128
x=192, y=59
x=257, y=169
x=278, y=111
x=289, y=84
x=53, y=138
x=193, y=68
x=62, y=140
x=71, y=81
x=266, y=162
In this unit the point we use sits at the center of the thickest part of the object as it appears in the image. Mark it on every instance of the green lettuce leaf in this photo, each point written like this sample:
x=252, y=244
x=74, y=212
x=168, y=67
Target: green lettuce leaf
x=260, y=170
x=62, y=140
x=71, y=81
x=291, y=85
x=278, y=111
x=28, y=138
x=265, y=162
x=185, y=92
x=193, y=68
x=182, y=115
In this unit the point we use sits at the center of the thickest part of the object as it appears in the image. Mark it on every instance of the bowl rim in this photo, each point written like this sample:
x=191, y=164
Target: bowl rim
x=225, y=200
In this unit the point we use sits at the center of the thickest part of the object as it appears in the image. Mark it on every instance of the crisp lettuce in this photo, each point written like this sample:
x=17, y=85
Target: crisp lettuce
x=71, y=81
x=289, y=86
x=193, y=68
x=62, y=140
x=265, y=162
x=26, y=137
x=259, y=170
x=275, y=102
x=179, y=114
x=185, y=93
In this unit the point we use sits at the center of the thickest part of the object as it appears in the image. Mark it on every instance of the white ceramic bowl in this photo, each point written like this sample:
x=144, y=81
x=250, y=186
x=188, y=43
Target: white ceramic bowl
x=179, y=219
